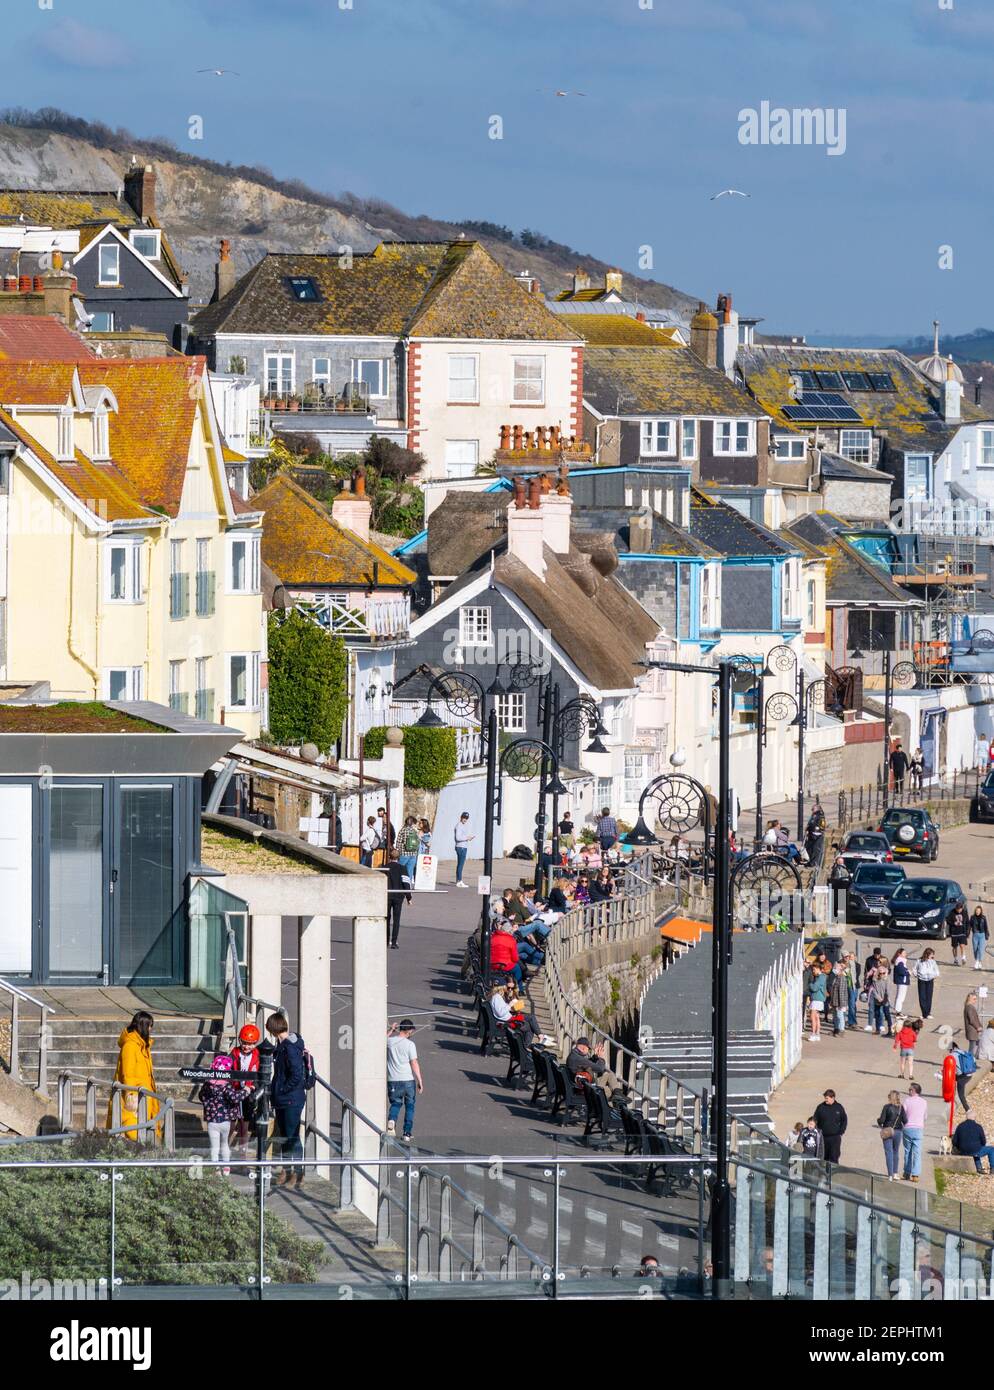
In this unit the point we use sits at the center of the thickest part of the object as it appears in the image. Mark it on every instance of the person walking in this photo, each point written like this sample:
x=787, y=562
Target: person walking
x=424, y=837
x=914, y=1111
x=817, y=996
x=838, y=998
x=891, y=1123
x=899, y=763
x=852, y=987
x=870, y=964
x=972, y=1025
x=832, y=1120
x=222, y=1104
x=408, y=847
x=917, y=770
x=958, y=930
x=369, y=842
x=398, y=892
x=966, y=1074
x=979, y=936
x=902, y=979
x=926, y=974
x=904, y=1043
x=463, y=835
x=879, y=998
x=404, y=1080
x=134, y=1073
x=289, y=1092
x=606, y=829
x=814, y=836
x=567, y=832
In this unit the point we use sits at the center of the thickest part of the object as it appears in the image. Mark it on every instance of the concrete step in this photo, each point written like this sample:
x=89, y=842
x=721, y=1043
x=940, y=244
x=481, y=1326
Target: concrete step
x=179, y=1026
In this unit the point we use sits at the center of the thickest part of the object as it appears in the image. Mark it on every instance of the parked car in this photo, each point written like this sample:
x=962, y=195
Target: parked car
x=910, y=830
x=865, y=847
x=982, y=805
x=870, y=890
x=921, y=907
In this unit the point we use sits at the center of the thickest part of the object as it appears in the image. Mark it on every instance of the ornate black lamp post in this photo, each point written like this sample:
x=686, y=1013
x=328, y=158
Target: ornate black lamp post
x=902, y=673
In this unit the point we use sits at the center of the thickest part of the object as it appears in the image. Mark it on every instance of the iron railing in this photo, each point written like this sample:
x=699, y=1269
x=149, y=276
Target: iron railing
x=17, y=998
x=158, y=1129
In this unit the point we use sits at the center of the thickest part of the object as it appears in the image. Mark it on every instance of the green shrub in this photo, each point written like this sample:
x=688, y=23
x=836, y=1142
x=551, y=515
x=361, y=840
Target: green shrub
x=173, y=1226
x=429, y=756
x=307, y=682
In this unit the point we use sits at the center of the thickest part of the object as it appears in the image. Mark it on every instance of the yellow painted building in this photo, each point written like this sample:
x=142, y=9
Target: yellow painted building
x=127, y=568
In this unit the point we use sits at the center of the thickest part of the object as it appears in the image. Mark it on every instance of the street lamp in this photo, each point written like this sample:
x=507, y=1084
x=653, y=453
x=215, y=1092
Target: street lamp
x=524, y=759
x=903, y=673
x=807, y=697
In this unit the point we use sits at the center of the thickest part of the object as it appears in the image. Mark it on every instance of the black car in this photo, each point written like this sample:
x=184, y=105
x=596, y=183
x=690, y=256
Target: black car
x=910, y=830
x=864, y=847
x=921, y=907
x=870, y=890
x=982, y=805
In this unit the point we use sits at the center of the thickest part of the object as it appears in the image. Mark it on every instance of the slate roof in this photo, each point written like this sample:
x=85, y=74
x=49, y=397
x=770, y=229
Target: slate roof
x=296, y=525
x=618, y=330
x=667, y=538
x=836, y=466
x=909, y=417
x=660, y=380
x=39, y=337
x=464, y=526
x=730, y=533
x=850, y=578
x=420, y=289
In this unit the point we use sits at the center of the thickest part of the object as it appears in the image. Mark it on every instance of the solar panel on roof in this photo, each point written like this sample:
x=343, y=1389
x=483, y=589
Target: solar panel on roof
x=830, y=381
x=808, y=381
x=881, y=381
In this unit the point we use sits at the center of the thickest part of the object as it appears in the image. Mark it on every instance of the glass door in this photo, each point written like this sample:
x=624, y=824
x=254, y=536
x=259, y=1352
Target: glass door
x=144, y=887
x=76, y=878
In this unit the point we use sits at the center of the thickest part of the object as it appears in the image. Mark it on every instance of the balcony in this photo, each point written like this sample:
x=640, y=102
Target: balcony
x=180, y=702
x=206, y=592
x=371, y=619
x=319, y=400
x=204, y=705
x=946, y=518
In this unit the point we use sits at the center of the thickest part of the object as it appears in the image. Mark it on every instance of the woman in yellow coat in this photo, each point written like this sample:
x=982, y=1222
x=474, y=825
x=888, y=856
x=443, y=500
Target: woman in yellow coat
x=134, y=1069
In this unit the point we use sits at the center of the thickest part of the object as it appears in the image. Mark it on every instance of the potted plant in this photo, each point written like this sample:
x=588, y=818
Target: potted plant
x=293, y=403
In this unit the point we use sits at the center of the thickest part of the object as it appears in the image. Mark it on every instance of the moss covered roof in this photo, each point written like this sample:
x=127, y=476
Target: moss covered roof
x=663, y=379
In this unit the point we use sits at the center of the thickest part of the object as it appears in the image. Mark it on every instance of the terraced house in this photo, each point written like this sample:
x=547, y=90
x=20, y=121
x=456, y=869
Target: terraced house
x=127, y=570
x=432, y=344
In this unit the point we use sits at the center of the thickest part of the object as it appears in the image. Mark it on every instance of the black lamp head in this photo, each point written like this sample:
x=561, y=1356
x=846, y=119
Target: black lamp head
x=430, y=720
x=557, y=788
x=497, y=686
x=595, y=746
x=640, y=834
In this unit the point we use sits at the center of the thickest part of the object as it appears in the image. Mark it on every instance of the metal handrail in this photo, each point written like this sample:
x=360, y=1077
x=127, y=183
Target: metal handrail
x=17, y=996
x=162, y=1125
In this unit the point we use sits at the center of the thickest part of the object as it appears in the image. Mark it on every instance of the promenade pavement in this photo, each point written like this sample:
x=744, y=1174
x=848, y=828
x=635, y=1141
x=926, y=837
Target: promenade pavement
x=861, y=1067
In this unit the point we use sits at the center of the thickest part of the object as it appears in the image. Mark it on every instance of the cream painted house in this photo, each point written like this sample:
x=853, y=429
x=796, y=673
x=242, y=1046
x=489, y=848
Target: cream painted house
x=127, y=569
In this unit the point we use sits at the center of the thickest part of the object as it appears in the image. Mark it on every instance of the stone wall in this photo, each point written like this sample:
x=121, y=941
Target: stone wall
x=607, y=983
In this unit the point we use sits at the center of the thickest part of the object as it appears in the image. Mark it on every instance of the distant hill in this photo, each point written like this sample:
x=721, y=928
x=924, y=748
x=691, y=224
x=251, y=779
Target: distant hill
x=977, y=346
x=199, y=201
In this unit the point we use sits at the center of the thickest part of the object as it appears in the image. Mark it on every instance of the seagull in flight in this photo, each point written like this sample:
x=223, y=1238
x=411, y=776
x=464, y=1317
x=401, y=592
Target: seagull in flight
x=729, y=193
x=219, y=72
x=558, y=92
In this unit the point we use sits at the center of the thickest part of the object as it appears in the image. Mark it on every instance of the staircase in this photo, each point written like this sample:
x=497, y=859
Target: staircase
x=687, y=1057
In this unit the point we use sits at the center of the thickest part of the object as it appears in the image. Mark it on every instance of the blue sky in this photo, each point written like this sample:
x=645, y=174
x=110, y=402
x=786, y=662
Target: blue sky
x=392, y=98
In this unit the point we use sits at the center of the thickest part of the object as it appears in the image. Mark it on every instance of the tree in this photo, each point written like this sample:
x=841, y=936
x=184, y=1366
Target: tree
x=398, y=504
x=307, y=681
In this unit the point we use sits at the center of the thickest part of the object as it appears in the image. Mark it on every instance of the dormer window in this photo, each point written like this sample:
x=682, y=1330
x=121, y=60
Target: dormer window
x=101, y=435
x=147, y=243
x=67, y=442
x=109, y=264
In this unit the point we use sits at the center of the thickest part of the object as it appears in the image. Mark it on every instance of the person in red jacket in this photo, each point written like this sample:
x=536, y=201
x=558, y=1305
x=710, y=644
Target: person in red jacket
x=504, y=953
x=245, y=1055
x=905, y=1040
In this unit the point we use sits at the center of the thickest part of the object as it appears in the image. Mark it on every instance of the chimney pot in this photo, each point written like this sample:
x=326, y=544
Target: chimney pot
x=505, y=436
x=534, y=494
x=518, y=431
x=24, y=284
x=545, y=482
x=10, y=283
x=519, y=492
x=640, y=317
x=39, y=284
x=224, y=272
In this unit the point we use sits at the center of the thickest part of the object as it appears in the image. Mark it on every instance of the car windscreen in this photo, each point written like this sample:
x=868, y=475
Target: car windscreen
x=871, y=842
x=919, y=891
x=878, y=874
x=903, y=818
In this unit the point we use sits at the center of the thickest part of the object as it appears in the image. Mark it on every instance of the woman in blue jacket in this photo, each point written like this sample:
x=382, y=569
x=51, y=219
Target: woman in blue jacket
x=289, y=1092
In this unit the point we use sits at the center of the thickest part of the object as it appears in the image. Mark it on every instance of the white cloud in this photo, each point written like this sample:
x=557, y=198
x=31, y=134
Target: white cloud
x=77, y=45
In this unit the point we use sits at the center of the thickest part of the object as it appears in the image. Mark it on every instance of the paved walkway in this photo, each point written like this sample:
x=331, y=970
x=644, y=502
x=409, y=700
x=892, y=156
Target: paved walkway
x=861, y=1067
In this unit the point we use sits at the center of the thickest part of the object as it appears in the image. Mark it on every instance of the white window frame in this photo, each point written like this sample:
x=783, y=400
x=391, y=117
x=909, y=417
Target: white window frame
x=280, y=358
x=985, y=454
x=649, y=437
x=252, y=566
x=475, y=628
x=462, y=468
x=790, y=448
x=463, y=389
x=107, y=314
x=522, y=386
x=512, y=712
x=252, y=684
x=967, y=455
x=633, y=781
x=854, y=453
x=791, y=596
x=112, y=250
x=177, y=672
x=736, y=437
x=101, y=433
x=66, y=445
x=604, y=795
x=811, y=604
x=133, y=589
x=710, y=597
x=925, y=462
x=134, y=682
x=156, y=236
x=688, y=439
x=321, y=378
x=383, y=372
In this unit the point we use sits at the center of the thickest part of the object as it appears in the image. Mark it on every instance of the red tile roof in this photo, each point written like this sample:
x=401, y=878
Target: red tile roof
x=33, y=337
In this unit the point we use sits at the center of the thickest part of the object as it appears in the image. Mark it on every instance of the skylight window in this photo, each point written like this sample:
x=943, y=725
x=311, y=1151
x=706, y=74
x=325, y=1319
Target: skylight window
x=856, y=381
x=302, y=287
x=829, y=381
x=881, y=381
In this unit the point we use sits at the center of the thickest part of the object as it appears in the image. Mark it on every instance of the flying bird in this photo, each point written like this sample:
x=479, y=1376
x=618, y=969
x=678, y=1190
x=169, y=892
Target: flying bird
x=729, y=193
x=558, y=92
x=220, y=72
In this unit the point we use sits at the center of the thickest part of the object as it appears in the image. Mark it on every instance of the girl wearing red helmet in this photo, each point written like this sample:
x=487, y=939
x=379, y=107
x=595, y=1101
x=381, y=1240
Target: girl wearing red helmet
x=245, y=1056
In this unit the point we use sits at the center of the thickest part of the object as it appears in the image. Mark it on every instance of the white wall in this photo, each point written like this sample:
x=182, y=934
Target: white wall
x=969, y=722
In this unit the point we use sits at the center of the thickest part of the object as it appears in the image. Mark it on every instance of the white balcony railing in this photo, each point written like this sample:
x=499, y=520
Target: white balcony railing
x=368, y=619
x=935, y=518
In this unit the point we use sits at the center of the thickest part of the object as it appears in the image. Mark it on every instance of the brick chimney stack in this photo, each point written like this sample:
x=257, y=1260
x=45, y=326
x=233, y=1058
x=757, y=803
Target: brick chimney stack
x=224, y=272
x=139, y=190
x=526, y=525
x=613, y=281
x=352, y=509
x=952, y=394
x=581, y=280
x=704, y=336
x=728, y=335
x=557, y=510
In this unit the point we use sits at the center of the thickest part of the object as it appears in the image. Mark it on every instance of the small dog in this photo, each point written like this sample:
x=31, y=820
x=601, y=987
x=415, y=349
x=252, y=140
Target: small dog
x=946, y=1144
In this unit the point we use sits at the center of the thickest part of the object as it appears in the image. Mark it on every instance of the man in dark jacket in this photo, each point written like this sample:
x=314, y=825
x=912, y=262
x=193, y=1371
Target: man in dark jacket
x=584, y=1059
x=969, y=1139
x=814, y=835
x=398, y=892
x=899, y=761
x=288, y=1091
x=832, y=1120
